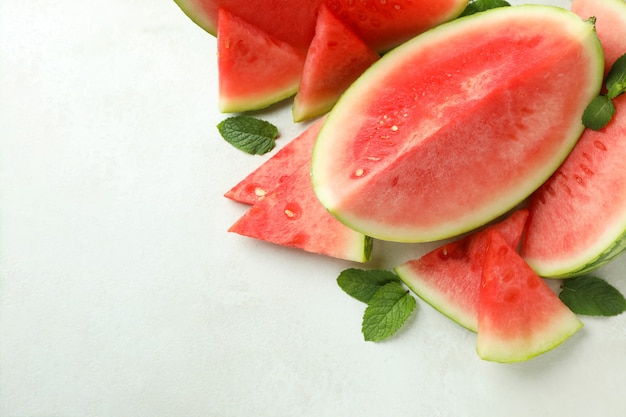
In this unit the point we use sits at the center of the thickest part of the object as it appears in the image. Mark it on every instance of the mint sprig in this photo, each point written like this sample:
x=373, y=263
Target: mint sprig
x=389, y=304
x=477, y=6
x=591, y=296
x=363, y=284
x=601, y=109
x=249, y=134
x=387, y=311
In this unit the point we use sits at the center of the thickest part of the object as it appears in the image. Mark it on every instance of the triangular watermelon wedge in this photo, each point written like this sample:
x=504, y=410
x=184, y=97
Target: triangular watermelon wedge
x=254, y=187
x=290, y=215
x=336, y=57
x=255, y=69
x=448, y=278
x=519, y=316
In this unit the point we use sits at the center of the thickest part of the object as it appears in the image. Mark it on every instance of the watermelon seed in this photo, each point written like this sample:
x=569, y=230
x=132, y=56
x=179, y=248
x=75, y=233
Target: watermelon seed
x=394, y=128
x=260, y=192
x=293, y=211
x=599, y=145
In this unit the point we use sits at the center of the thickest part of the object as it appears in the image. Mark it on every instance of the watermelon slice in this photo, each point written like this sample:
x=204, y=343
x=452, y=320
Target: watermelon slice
x=577, y=219
x=290, y=215
x=255, y=69
x=336, y=57
x=448, y=278
x=459, y=125
x=519, y=316
x=385, y=24
x=277, y=169
x=610, y=24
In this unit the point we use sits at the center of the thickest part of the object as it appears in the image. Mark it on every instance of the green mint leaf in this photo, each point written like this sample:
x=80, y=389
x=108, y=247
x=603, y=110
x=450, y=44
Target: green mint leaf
x=477, y=6
x=598, y=113
x=616, y=78
x=592, y=296
x=387, y=311
x=362, y=284
x=249, y=134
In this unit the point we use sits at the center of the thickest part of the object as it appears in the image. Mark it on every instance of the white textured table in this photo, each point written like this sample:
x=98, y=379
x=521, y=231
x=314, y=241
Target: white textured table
x=122, y=294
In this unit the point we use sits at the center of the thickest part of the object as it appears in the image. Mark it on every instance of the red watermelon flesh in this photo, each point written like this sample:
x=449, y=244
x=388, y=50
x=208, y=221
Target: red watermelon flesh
x=277, y=169
x=384, y=24
x=448, y=278
x=254, y=69
x=291, y=215
x=610, y=25
x=519, y=316
x=336, y=57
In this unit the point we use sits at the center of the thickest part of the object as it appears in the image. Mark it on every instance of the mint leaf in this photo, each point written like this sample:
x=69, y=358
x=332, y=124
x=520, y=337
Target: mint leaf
x=362, y=284
x=387, y=311
x=616, y=78
x=592, y=296
x=477, y=6
x=598, y=113
x=249, y=134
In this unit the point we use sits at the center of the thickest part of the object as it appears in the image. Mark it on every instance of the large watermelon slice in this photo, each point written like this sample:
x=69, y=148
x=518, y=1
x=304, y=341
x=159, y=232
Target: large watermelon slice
x=276, y=170
x=254, y=69
x=577, y=218
x=519, y=316
x=336, y=57
x=460, y=124
x=448, y=278
x=385, y=24
x=290, y=215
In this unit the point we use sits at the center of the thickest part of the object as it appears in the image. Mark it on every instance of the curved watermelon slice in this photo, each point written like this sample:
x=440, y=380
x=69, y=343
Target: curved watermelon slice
x=254, y=69
x=386, y=24
x=290, y=214
x=519, y=316
x=276, y=170
x=577, y=218
x=459, y=125
x=448, y=278
x=336, y=57
x=610, y=24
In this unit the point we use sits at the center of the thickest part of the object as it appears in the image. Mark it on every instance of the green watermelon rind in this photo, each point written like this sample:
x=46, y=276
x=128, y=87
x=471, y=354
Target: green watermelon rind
x=197, y=15
x=615, y=249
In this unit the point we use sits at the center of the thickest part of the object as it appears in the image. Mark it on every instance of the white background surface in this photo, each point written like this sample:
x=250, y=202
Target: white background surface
x=122, y=294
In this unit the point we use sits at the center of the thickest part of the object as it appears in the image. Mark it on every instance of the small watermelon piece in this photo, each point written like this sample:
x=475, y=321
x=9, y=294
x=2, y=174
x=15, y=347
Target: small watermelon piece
x=290, y=215
x=448, y=278
x=577, y=219
x=336, y=57
x=385, y=24
x=610, y=24
x=267, y=177
x=519, y=316
x=254, y=68
x=459, y=125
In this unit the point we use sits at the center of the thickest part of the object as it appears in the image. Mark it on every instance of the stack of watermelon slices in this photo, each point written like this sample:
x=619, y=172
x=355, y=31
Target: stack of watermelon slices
x=270, y=49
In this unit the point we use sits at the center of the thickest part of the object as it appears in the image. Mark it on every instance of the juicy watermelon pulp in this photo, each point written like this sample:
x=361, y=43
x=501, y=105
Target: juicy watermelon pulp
x=287, y=213
x=448, y=278
x=519, y=316
x=578, y=217
x=458, y=125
